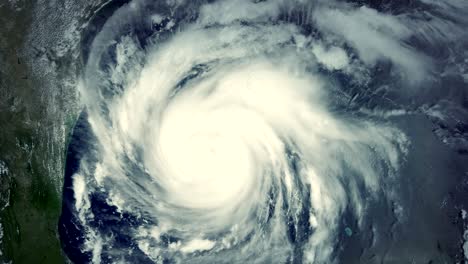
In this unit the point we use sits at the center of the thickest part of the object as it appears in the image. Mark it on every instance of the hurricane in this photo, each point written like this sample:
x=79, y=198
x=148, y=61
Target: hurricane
x=232, y=131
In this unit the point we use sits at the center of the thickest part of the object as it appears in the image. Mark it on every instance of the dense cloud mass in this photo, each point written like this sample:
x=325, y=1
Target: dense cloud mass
x=235, y=132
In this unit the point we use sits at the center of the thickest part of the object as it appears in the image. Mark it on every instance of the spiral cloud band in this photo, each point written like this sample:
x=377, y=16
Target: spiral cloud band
x=220, y=134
